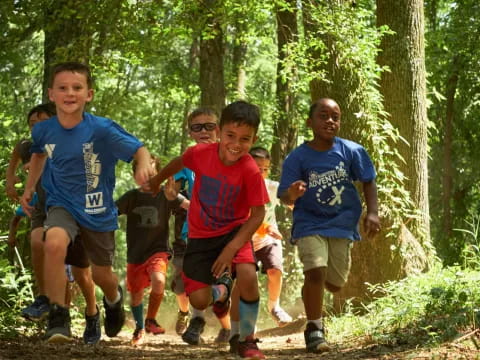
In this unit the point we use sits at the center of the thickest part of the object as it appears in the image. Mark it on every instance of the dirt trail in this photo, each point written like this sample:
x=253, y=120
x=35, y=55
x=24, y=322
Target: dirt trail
x=171, y=347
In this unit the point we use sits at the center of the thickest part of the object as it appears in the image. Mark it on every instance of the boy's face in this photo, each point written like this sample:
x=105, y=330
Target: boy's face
x=325, y=121
x=235, y=142
x=70, y=92
x=36, y=118
x=264, y=166
x=208, y=133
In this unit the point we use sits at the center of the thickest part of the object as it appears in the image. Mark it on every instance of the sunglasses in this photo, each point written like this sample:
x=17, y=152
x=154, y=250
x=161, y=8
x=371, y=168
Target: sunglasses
x=206, y=126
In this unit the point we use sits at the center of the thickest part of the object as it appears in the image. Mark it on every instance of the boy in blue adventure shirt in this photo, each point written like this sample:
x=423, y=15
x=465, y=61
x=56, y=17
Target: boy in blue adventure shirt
x=318, y=178
x=79, y=152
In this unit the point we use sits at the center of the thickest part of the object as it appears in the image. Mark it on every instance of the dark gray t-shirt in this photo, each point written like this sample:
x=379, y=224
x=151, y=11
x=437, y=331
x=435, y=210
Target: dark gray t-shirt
x=147, y=223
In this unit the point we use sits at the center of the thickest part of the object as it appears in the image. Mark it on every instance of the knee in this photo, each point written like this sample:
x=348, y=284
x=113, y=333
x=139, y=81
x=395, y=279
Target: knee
x=316, y=276
x=274, y=273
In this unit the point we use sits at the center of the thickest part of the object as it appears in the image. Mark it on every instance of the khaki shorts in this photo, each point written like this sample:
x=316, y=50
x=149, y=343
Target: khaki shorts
x=333, y=253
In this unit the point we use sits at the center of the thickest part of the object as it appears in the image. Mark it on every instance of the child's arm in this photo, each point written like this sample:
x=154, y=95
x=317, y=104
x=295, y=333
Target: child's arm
x=143, y=170
x=12, y=230
x=174, y=166
x=37, y=163
x=371, y=221
x=11, y=177
x=295, y=190
x=244, y=234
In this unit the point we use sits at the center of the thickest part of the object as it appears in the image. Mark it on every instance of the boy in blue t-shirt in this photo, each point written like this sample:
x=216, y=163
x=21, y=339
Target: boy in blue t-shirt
x=77, y=153
x=318, y=178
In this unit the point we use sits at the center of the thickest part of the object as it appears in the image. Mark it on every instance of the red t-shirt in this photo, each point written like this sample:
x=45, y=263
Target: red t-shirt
x=222, y=195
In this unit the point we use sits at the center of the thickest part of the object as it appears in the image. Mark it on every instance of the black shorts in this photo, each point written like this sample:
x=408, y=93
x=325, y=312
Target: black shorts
x=202, y=253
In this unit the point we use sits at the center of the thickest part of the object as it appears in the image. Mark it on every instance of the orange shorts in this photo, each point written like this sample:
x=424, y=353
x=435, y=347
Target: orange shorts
x=138, y=275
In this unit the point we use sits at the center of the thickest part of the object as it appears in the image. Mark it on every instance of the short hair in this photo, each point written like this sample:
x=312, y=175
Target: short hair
x=74, y=67
x=152, y=157
x=201, y=111
x=259, y=152
x=241, y=113
x=47, y=108
x=313, y=107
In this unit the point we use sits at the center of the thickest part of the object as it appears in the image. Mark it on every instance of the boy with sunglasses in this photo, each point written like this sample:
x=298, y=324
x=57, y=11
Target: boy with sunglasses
x=203, y=128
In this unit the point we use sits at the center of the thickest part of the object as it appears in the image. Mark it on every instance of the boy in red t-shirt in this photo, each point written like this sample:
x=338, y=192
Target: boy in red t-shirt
x=226, y=209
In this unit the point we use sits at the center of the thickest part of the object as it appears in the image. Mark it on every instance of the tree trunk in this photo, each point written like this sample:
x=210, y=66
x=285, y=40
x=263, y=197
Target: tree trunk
x=212, y=83
x=448, y=170
x=404, y=93
x=284, y=128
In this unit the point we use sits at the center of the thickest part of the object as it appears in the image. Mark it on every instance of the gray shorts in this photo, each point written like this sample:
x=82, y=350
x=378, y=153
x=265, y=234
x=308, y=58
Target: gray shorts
x=38, y=215
x=270, y=257
x=99, y=247
x=177, y=282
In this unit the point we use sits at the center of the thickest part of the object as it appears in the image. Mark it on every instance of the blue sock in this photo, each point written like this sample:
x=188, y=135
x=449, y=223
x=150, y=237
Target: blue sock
x=248, y=317
x=137, y=312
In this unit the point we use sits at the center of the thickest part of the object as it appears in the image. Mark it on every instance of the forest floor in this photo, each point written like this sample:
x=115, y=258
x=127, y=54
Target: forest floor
x=277, y=344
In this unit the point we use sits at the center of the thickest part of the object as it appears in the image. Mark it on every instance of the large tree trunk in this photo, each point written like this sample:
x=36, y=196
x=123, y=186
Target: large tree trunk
x=239, y=60
x=212, y=83
x=404, y=93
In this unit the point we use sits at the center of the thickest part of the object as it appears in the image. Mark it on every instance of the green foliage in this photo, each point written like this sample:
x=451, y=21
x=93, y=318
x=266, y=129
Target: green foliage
x=424, y=309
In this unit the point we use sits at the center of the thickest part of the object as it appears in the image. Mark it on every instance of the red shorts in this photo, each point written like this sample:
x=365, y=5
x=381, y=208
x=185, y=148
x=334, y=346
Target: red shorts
x=243, y=256
x=138, y=275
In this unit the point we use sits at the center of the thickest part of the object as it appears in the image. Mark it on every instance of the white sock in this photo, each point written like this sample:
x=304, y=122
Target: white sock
x=117, y=299
x=272, y=304
x=235, y=328
x=318, y=323
x=198, y=313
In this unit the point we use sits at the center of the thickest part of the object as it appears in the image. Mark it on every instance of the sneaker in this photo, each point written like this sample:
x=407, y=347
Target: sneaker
x=114, y=316
x=151, y=326
x=226, y=280
x=93, y=330
x=182, y=322
x=221, y=309
x=315, y=339
x=280, y=316
x=58, y=328
x=38, y=310
x=223, y=336
x=248, y=349
x=234, y=344
x=195, y=328
x=138, y=337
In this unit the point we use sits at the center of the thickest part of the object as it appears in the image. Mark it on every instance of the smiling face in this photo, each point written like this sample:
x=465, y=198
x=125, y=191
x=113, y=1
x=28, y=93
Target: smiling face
x=208, y=132
x=235, y=142
x=325, y=121
x=70, y=92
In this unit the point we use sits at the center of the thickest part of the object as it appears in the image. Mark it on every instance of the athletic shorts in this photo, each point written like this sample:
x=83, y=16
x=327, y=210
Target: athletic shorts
x=38, y=215
x=202, y=253
x=176, y=284
x=139, y=275
x=270, y=257
x=333, y=253
x=99, y=246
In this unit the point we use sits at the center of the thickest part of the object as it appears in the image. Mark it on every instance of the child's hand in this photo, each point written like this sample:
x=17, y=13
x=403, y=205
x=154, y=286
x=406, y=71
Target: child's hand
x=25, y=202
x=297, y=189
x=12, y=240
x=273, y=232
x=11, y=190
x=371, y=224
x=143, y=173
x=170, y=189
x=223, y=262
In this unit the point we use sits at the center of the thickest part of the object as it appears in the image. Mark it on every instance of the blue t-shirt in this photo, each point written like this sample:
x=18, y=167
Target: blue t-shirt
x=80, y=175
x=331, y=205
x=186, y=175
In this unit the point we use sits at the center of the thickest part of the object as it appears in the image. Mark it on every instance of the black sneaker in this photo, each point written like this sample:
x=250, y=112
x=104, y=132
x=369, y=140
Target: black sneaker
x=234, y=343
x=38, y=310
x=194, y=330
x=58, y=327
x=114, y=316
x=93, y=330
x=315, y=339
